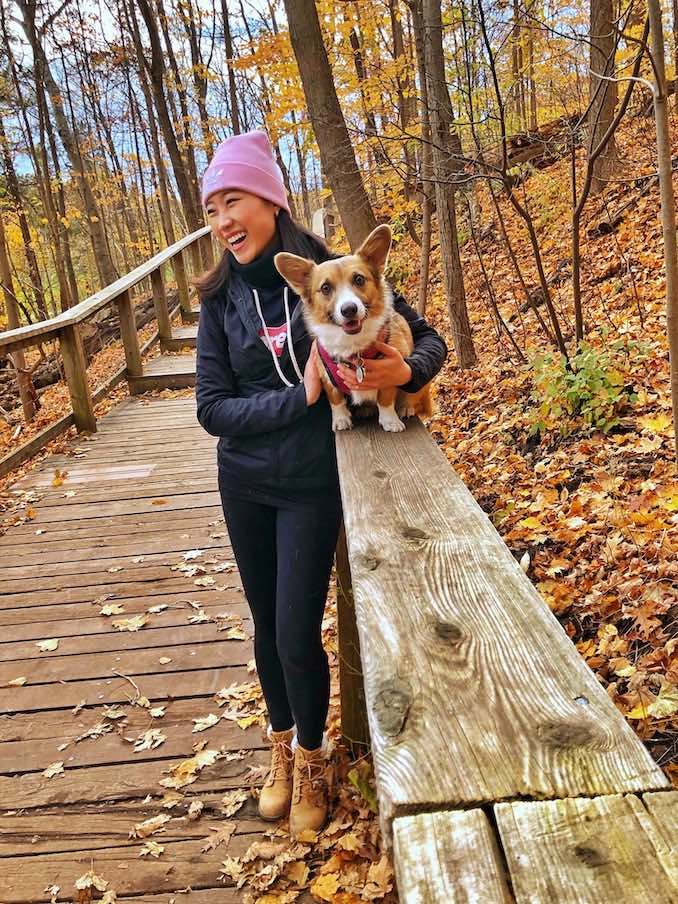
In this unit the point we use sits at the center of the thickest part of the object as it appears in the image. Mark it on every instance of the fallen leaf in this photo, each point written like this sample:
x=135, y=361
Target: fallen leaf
x=324, y=887
x=185, y=772
x=15, y=682
x=150, y=826
x=91, y=880
x=112, y=609
x=54, y=769
x=233, y=801
x=205, y=722
x=205, y=581
x=193, y=554
x=152, y=848
x=195, y=810
x=159, y=502
x=157, y=712
x=48, y=646
x=164, y=660
x=222, y=835
x=159, y=608
x=149, y=740
x=130, y=624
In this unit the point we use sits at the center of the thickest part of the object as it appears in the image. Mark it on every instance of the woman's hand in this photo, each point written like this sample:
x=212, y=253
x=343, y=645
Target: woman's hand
x=312, y=383
x=380, y=373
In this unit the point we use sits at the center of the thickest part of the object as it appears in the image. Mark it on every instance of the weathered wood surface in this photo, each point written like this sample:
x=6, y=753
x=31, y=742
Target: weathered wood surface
x=588, y=851
x=449, y=858
x=165, y=372
x=38, y=332
x=474, y=692
x=55, y=580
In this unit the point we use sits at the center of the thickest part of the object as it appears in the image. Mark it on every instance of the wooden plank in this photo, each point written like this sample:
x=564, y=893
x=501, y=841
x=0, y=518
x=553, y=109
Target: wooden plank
x=582, y=852
x=25, y=336
x=170, y=364
x=29, y=756
x=448, y=858
x=77, y=512
x=72, y=666
x=467, y=673
x=182, y=865
x=83, y=619
x=199, y=682
x=99, y=784
x=75, y=369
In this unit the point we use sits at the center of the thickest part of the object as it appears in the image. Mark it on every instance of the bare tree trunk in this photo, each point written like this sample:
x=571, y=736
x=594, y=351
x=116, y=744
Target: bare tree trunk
x=427, y=187
x=232, y=90
x=336, y=152
x=442, y=123
x=156, y=75
x=81, y=165
x=29, y=252
x=199, y=70
x=603, y=93
x=27, y=393
x=405, y=112
x=668, y=202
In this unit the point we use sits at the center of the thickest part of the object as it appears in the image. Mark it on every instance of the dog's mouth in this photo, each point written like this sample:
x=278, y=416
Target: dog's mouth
x=352, y=326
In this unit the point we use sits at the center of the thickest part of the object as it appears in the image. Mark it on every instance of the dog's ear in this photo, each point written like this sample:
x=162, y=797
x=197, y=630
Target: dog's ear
x=374, y=250
x=296, y=271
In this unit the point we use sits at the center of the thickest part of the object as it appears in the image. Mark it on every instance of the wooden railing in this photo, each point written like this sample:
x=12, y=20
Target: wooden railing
x=503, y=770
x=66, y=328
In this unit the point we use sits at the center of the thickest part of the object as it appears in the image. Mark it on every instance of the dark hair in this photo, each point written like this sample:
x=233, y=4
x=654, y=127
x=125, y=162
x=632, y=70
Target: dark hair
x=293, y=237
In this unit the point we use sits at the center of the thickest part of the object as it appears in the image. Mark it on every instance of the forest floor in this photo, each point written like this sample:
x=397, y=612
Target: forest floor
x=596, y=510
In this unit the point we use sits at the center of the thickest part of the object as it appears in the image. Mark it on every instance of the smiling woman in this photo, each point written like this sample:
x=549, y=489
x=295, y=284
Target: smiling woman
x=258, y=390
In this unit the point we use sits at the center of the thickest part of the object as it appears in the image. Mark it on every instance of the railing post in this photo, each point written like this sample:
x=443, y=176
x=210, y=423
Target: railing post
x=354, y=727
x=128, y=330
x=195, y=257
x=160, y=305
x=182, y=285
x=207, y=251
x=75, y=368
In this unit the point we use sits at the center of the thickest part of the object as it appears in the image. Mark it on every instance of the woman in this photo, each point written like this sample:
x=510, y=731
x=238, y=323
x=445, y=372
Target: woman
x=259, y=391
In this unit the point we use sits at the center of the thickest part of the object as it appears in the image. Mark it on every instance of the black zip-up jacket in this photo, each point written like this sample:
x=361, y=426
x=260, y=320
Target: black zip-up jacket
x=269, y=438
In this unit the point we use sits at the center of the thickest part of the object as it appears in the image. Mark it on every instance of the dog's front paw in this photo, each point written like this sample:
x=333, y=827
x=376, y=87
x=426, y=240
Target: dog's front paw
x=342, y=421
x=391, y=422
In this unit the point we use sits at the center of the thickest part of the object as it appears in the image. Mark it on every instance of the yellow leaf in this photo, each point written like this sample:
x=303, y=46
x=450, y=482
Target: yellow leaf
x=657, y=424
x=247, y=721
x=325, y=886
x=666, y=703
x=532, y=523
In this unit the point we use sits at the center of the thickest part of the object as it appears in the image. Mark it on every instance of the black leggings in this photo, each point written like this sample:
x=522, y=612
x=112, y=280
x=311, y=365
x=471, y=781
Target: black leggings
x=284, y=551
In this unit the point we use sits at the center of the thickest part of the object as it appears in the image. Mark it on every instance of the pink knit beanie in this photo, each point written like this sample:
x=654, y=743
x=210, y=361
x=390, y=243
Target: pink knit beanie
x=246, y=162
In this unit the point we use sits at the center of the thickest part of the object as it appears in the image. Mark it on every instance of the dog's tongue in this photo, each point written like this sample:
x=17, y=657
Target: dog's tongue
x=352, y=326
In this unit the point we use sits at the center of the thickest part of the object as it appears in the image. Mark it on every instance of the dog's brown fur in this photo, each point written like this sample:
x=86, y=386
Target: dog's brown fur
x=357, y=278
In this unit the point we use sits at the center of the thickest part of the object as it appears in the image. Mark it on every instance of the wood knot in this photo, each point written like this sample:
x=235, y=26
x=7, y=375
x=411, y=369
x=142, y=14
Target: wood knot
x=392, y=705
x=368, y=562
x=414, y=533
x=566, y=734
x=448, y=632
x=380, y=474
x=589, y=855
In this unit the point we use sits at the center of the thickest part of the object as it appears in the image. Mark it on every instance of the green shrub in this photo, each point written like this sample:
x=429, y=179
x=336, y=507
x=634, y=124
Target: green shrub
x=590, y=391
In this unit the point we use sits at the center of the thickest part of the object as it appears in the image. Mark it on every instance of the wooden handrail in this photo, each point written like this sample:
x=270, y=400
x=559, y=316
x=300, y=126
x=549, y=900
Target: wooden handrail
x=66, y=326
x=481, y=712
x=38, y=332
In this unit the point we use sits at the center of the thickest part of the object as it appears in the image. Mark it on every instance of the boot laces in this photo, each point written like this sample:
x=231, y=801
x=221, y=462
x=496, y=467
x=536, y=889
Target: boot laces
x=311, y=779
x=282, y=757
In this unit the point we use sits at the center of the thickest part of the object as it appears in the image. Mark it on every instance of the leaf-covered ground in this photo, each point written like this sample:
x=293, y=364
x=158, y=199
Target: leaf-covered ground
x=596, y=512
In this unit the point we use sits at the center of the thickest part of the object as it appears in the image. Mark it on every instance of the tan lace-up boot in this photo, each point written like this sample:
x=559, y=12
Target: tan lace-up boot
x=275, y=797
x=310, y=792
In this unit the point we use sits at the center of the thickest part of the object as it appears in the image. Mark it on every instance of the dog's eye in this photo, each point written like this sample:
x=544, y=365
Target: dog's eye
x=358, y=280
x=326, y=288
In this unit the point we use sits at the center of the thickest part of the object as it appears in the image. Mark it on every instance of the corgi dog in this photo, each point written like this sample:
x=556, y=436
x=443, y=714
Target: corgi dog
x=347, y=307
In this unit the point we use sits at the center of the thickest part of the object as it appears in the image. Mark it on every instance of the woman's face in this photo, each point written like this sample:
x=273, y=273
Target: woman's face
x=242, y=223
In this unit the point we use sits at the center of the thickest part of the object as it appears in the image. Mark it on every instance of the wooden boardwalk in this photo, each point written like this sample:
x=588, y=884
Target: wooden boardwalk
x=139, y=499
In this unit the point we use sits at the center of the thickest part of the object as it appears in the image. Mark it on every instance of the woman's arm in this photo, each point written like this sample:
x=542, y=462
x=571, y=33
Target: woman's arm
x=221, y=411
x=429, y=352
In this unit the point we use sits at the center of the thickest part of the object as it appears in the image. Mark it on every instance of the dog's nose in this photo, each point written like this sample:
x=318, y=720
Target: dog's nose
x=349, y=309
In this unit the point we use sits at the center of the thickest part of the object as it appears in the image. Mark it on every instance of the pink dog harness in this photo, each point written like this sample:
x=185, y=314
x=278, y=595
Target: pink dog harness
x=355, y=362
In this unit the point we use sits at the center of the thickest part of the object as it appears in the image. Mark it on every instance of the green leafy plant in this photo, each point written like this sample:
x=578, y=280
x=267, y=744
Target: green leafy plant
x=589, y=391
